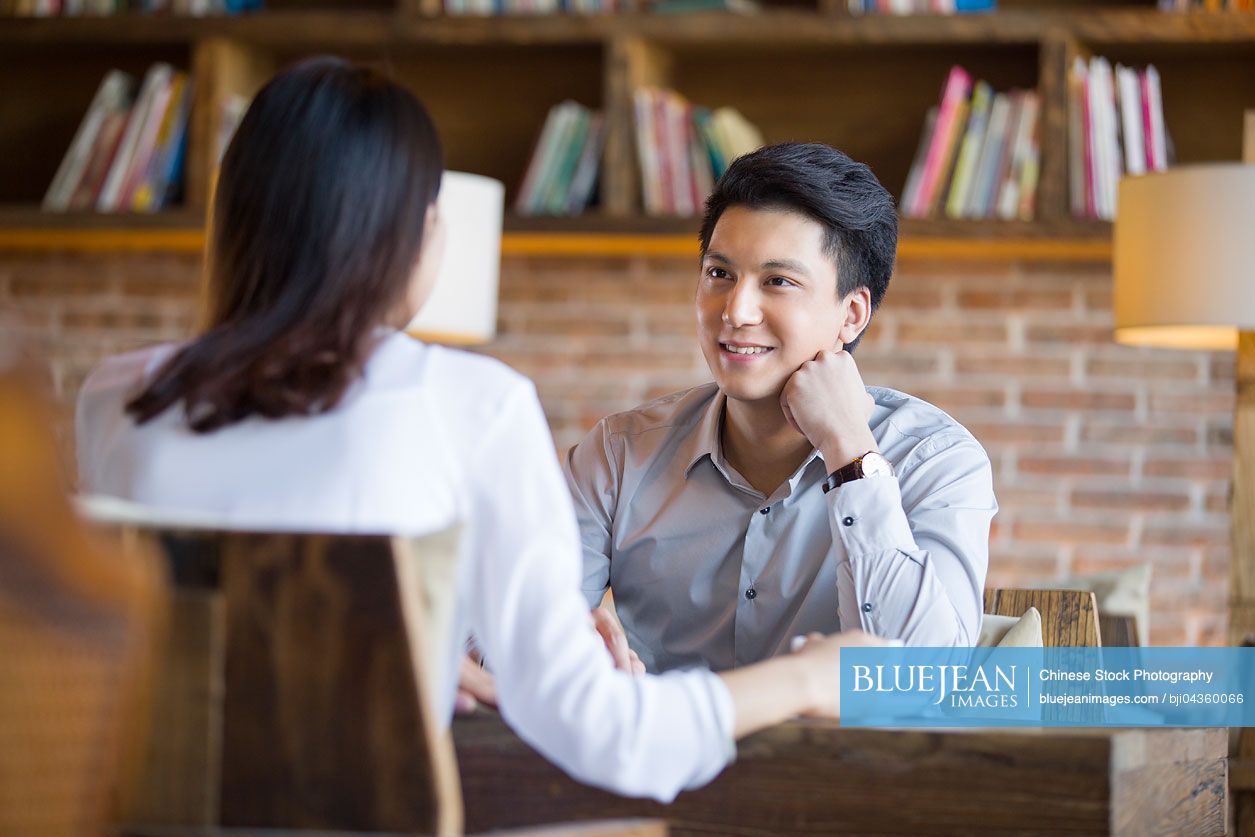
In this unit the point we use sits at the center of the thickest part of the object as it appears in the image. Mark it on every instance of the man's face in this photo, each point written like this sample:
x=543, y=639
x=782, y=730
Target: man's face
x=766, y=301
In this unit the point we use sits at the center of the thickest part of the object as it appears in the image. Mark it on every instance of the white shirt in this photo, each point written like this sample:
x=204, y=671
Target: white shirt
x=428, y=438
x=707, y=570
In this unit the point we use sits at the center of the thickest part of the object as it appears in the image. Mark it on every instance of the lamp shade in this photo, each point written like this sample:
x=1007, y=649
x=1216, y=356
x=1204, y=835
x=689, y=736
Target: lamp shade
x=1185, y=257
x=462, y=308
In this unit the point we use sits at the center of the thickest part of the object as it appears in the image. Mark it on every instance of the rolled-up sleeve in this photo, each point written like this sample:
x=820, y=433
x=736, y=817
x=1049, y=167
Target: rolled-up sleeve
x=917, y=547
x=642, y=736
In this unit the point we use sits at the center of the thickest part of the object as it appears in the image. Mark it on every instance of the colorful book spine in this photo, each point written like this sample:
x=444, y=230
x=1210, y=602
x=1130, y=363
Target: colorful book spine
x=954, y=95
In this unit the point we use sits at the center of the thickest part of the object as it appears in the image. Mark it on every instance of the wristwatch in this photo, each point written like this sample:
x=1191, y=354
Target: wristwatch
x=870, y=464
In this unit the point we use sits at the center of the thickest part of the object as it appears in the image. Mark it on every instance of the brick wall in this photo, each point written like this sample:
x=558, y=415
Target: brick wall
x=1103, y=455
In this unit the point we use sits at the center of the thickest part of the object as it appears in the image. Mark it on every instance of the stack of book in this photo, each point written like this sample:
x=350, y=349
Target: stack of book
x=920, y=7
x=488, y=8
x=128, y=152
x=978, y=156
x=1209, y=5
x=684, y=149
x=106, y=8
x=1115, y=126
x=561, y=177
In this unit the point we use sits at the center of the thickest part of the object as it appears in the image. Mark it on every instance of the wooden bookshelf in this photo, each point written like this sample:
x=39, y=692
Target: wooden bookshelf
x=799, y=70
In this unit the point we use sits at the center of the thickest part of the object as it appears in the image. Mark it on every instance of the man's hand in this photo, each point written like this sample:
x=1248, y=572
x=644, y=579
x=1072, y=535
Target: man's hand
x=826, y=402
x=616, y=642
x=475, y=686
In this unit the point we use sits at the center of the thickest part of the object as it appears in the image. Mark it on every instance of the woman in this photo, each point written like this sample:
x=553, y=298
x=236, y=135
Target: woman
x=301, y=406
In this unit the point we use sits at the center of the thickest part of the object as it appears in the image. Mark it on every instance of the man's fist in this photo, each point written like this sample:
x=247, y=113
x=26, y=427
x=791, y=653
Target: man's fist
x=826, y=402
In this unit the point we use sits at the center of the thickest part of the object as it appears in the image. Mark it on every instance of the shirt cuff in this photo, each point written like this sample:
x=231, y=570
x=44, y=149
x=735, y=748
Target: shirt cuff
x=868, y=517
x=725, y=718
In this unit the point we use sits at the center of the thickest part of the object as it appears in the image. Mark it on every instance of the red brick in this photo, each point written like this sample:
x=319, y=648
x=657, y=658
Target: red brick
x=1171, y=369
x=1066, y=530
x=1068, y=333
x=1123, y=433
x=877, y=367
x=899, y=298
x=1195, y=403
x=1026, y=298
x=989, y=432
x=1074, y=465
x=1018, y=367
x=1184, y=535
x=956, y=398
x=1077, y=400
x=933, y=332
x=575, y=324
x=1198, y=468
x=1131, y=500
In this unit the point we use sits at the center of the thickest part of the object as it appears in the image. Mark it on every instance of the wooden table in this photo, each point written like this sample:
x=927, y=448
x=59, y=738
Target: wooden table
x=813, y=777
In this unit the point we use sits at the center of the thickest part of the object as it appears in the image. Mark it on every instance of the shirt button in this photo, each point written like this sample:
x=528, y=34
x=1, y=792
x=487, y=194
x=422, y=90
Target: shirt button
x=764, y=509
x=751, y=594
x=867, y=607
x=847, y=521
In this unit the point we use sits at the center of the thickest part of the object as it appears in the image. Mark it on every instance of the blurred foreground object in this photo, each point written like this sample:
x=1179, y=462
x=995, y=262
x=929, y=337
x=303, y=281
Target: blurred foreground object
x=77, y=625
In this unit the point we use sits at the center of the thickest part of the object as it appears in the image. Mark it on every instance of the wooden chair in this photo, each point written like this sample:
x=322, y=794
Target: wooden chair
x=298, y=696
x=1069, y=618
x=77, y=625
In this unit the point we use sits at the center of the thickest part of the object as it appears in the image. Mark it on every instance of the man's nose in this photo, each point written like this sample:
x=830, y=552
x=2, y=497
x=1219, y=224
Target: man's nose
x=743, y=306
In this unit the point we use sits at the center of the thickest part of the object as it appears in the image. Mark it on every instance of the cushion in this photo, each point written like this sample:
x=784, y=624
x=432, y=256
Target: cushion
x=1011, y=632
x=1119, y=593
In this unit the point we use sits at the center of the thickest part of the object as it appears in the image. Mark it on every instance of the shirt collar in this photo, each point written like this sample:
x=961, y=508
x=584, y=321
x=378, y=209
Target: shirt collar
x=706, y=440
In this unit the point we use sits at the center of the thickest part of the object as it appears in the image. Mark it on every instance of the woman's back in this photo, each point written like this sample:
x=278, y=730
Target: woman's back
x=393, y=457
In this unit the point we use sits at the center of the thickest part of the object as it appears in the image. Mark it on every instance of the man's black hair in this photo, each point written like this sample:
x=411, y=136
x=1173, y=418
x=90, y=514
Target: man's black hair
x=818, y=181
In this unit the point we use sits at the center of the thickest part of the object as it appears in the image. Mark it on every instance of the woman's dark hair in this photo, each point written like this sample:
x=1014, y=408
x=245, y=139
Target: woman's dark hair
x=841, y=195
x=317, y=227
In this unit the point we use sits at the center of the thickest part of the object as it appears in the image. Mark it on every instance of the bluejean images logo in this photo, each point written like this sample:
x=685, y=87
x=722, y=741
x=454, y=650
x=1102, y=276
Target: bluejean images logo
x=992, y=687
x=957, y=686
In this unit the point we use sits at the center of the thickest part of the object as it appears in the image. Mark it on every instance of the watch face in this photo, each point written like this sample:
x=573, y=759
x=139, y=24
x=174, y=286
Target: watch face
x=875, y=465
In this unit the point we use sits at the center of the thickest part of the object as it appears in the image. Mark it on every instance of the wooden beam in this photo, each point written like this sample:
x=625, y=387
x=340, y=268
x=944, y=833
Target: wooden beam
x=191, y=241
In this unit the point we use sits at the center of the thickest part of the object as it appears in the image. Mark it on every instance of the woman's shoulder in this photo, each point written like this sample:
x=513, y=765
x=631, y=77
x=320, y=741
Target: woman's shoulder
x=450, y=372
x=125, y=372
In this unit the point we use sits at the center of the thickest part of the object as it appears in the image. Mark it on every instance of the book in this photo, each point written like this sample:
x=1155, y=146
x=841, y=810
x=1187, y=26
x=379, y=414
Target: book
x=946, y=163
x=976, y=124
x=154, y=191
x=954, y=94
x=101, y=159
x=647, y=152
x=990, y=155
x=110, y=197
x=916, y=173
x=114, y=93
x=528, y=187
x=554, y=201
x=1010, y=203
x=146, y=147
x=1076, y=137
x=585, y=180
x=1158, y=136
x=1129, y=89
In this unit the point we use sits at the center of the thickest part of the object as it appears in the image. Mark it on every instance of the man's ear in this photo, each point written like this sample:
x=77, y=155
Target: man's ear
x=857, y=308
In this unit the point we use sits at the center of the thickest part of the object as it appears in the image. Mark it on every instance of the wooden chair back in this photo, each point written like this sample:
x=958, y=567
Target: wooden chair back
x=296, y=689
x=1069, y=618
x=77, y=627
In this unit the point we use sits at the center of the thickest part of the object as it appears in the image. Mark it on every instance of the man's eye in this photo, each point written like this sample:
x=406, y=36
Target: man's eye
x=779, y=282
x=717, y=273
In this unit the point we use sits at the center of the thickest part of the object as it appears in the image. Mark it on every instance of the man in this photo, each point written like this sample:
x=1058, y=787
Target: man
x=785, y=497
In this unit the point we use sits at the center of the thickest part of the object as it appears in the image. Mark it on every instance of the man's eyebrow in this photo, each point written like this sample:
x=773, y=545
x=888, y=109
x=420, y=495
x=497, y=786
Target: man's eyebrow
x=790, y=265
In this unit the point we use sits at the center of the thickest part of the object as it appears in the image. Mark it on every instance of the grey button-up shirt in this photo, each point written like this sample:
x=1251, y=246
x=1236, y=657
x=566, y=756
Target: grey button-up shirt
x=707, y=571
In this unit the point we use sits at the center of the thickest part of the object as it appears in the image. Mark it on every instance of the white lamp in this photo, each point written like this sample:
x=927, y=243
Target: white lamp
x=462, y=309
x=1185, y=278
